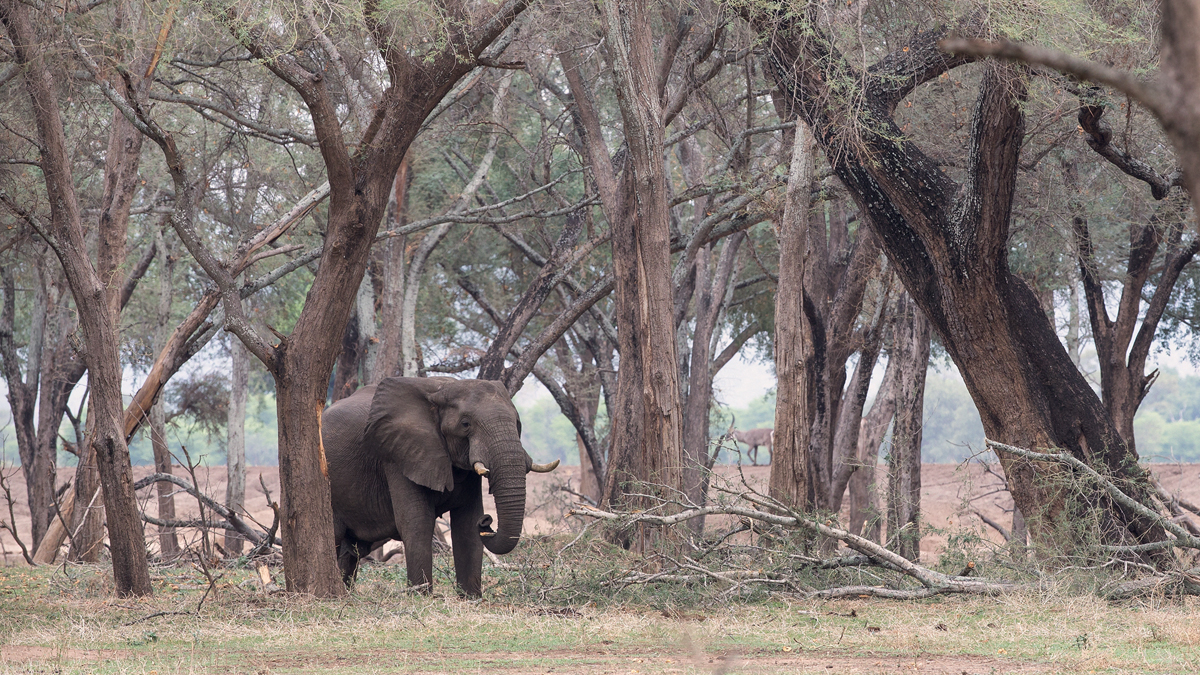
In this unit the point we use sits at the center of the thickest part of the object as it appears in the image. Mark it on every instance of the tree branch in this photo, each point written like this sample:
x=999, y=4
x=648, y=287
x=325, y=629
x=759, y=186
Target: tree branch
x=1143, y=92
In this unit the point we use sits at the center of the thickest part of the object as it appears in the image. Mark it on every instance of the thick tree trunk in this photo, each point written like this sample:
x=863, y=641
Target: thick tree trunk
x=641, y=241
x=235, y=456
x=948, y=244
x=911, y=350
x=792, y=481
x=345, y=371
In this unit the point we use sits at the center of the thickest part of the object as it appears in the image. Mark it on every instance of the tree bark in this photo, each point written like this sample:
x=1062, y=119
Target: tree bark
x=911, y=350
x=391, y=313
x=865, y=514
x=642, y=256
x=235, y=455
x=792, y=481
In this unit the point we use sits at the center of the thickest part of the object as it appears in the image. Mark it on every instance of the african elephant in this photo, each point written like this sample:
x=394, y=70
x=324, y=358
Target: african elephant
x=405, y=451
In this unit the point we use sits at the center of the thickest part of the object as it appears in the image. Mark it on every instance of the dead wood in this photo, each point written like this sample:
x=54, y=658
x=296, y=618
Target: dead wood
x=766, y=510
x=233, y=518
x=1182, y=536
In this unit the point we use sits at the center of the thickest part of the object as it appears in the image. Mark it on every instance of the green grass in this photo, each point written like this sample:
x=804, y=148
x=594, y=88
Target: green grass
x=65, y=621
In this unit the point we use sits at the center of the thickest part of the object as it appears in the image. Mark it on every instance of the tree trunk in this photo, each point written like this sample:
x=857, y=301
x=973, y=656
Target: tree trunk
x=22, y=398
x=713, y=290
x=345, y=372
x=641, y=242
x=235, y=457
x=948, y=244
x=168, y=542
x=911, y=350
x=866, y=516
x=792, y=480
x=391, y=300
x=368, y=340
x=1122, y=346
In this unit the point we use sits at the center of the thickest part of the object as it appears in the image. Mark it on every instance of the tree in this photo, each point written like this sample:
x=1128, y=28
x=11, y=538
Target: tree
x=947, y=242
x=95, y=300
x=360, y=182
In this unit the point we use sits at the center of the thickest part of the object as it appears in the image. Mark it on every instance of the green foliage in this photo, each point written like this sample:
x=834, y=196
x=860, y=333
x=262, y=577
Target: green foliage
x=547, y=434
x=952, y=430
x=1167, y=427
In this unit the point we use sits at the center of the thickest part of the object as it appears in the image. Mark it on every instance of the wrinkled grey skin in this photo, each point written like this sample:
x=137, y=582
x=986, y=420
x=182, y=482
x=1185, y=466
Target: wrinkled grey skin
x=401, y=453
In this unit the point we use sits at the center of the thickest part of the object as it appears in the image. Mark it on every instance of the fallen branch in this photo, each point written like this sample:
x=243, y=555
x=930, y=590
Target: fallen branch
x=156, y=615
x=233, y=518
x=1187, y=581
x=1183, y=537
x=934, y=582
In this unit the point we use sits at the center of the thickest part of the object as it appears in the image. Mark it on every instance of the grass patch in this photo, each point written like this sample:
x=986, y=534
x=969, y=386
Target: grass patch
x=56, y=621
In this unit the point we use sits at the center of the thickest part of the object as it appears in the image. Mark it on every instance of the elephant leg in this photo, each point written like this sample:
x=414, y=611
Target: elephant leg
x=468, y=547
x=416, y=530
x=350, y=551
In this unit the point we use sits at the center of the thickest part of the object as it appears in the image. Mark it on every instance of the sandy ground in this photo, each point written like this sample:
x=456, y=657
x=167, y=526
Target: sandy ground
x=950, y=497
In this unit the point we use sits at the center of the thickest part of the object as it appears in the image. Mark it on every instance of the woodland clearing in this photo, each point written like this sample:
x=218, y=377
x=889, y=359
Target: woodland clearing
x=64, y=619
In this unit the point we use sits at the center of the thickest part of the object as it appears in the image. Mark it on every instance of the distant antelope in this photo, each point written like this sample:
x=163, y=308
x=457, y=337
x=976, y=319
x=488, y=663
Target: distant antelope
x=755, y=438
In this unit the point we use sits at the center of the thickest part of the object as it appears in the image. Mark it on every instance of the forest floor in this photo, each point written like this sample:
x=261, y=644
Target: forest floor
x=572, y=619
x=56, y=620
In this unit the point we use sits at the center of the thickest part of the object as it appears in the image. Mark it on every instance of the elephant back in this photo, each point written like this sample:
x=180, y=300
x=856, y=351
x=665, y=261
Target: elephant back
x=342, y=428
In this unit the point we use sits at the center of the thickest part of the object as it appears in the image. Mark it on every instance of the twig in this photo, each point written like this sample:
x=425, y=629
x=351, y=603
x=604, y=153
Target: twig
x=233, y=518
x=994, y=525
x=202, y=557
x=11, y=523
x=156, y=615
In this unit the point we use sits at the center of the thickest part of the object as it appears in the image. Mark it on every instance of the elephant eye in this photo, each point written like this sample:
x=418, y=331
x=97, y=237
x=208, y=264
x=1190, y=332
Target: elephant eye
x=466, y=424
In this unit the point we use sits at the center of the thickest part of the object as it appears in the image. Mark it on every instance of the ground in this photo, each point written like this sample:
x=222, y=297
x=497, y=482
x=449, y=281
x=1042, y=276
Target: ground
x=60, y=620
x=63, y=619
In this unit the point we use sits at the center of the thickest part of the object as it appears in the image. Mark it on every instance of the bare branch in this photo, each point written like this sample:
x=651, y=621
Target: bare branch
x=1145, y=93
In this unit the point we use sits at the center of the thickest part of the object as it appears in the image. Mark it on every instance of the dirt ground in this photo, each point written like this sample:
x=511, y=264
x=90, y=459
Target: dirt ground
x=952, y=496
x=591, y=661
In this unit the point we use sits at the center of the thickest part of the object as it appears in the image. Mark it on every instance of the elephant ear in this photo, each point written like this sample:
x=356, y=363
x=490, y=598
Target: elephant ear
x=405, y=428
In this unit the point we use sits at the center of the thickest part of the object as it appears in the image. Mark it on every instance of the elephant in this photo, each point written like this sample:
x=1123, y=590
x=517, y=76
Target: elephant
x=754, y=438
x=403, y=452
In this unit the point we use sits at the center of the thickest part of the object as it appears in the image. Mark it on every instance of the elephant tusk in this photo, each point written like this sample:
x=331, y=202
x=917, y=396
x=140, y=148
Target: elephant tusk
x=544, y=468
x=487, y=534
x=481, y=469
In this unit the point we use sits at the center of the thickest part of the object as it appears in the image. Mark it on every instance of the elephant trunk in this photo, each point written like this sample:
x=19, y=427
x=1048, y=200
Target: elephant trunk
x=506, y=481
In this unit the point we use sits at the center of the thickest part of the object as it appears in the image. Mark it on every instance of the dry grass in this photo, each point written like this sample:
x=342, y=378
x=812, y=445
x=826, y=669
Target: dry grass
x=51, y=621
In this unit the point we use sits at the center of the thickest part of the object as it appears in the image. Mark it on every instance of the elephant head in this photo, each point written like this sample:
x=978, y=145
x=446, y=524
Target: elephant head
x=430, y=426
